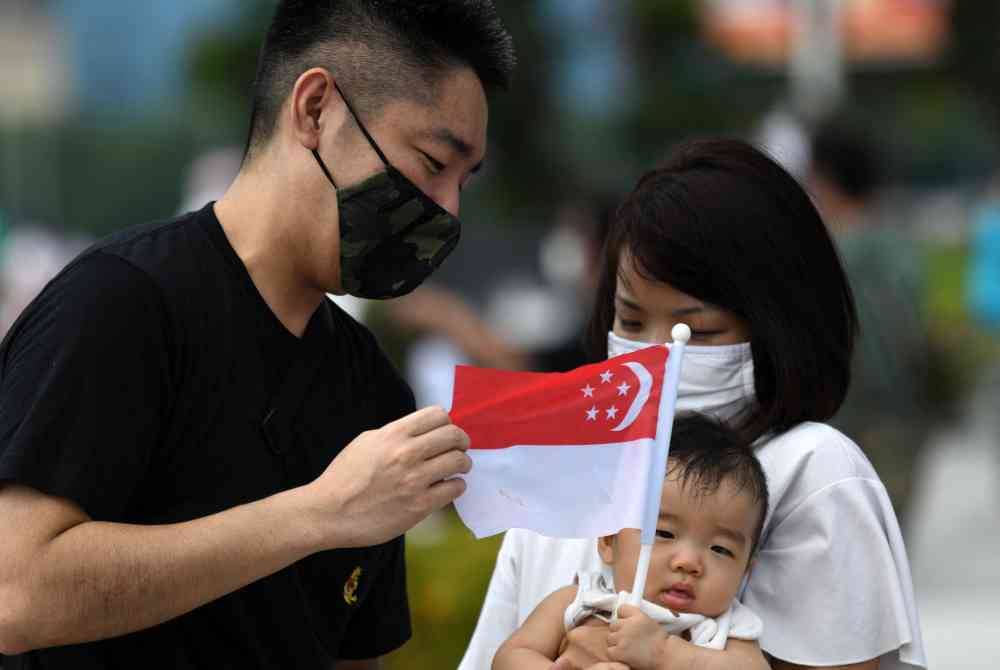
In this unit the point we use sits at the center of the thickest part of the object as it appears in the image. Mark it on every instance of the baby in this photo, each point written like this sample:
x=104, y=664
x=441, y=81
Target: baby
x=711, y=515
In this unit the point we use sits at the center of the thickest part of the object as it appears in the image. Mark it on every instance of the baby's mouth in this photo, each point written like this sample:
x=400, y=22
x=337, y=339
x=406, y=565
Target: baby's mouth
x=678, y=597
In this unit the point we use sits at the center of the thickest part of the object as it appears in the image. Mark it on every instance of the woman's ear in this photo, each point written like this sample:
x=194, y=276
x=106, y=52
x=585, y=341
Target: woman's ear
x=606, y=548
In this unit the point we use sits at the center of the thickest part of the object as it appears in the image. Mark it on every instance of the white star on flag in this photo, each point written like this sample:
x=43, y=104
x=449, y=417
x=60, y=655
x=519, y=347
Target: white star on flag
x=588, y=391
x=611, y=412
x=606, y=377
x=592, y=413
x=623, y=388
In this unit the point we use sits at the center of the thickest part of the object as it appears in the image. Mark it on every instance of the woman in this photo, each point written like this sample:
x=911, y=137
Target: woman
x=722, y=238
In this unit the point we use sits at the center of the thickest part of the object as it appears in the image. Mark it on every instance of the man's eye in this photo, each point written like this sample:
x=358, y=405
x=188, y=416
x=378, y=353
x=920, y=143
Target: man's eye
x=722, y=551
x=434, y=165
x=665, y=534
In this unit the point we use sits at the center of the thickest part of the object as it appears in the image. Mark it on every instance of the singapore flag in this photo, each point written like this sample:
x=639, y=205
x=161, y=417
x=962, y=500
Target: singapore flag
x=563, y=454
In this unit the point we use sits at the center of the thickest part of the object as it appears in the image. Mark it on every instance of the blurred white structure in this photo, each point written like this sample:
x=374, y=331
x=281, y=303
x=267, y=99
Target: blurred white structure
x=29, y=258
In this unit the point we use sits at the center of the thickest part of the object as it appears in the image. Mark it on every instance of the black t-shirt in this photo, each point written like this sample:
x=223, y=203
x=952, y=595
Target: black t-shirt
x=136, y=385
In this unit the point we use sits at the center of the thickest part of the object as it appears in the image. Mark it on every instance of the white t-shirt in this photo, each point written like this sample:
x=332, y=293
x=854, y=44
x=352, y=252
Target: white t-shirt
x=831, y=581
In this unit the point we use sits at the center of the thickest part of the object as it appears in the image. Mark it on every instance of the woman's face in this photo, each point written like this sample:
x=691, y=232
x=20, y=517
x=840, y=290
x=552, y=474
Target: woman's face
x=646, y=311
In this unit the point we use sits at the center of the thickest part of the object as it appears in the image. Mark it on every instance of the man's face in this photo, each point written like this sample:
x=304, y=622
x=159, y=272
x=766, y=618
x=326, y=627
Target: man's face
x=438, y=145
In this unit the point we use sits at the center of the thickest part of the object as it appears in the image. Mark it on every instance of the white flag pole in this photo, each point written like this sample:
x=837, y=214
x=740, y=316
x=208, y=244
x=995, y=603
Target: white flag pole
x=681, y=333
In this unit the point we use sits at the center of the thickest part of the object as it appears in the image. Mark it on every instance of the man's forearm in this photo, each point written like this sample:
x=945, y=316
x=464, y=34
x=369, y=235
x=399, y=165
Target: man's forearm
x=98, y=580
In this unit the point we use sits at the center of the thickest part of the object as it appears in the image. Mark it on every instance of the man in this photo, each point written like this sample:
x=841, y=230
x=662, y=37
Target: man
x=886, y=409
x=203, y=462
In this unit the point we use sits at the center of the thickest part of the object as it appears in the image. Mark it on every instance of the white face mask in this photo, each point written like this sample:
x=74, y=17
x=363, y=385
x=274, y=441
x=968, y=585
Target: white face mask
x=715, y=380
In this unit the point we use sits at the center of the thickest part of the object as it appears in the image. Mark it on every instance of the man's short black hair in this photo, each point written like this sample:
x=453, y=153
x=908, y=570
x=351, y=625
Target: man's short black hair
x=846, y=154
x=378, y=50
x=704, y=452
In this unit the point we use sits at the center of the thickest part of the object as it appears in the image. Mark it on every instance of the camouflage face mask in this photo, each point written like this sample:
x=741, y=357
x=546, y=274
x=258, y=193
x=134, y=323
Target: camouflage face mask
x=392, y=236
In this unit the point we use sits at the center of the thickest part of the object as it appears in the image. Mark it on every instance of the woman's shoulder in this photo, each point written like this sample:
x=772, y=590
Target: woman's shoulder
x=810, y=458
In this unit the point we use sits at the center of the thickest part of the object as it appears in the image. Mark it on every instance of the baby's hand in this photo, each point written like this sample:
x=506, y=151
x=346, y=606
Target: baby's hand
x=635, y=639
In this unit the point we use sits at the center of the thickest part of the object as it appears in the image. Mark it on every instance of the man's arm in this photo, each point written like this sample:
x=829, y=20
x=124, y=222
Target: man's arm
x=66, y=579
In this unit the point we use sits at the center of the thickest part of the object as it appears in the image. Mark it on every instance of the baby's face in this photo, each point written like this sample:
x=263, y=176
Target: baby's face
x=701, y=552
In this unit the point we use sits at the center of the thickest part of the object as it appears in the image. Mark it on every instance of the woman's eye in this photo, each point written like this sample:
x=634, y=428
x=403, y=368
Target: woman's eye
x=722, y=551
x=665, y=534
x=632, y=326
x=704, y=334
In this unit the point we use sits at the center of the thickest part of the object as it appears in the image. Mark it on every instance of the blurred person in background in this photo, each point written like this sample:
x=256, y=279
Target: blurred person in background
x=203, y=462
x=885, y=409
x=525, y=325
x=723, y=239
x=983, y=281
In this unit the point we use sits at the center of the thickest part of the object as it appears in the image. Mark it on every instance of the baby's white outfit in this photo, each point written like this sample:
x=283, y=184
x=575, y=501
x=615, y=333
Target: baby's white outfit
x=595, y=596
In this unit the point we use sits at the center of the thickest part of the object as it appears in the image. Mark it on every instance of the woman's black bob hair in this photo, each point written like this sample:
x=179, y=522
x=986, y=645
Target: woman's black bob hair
x=723, y=222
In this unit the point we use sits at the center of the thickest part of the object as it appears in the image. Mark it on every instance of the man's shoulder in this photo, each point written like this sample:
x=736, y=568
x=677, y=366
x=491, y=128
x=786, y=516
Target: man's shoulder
x=167, y=250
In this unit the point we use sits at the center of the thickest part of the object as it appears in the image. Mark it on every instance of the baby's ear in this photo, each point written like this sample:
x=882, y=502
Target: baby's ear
x=606, y=548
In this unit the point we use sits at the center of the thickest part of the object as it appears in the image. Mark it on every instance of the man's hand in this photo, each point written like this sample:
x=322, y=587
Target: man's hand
x=388, y=480
x=636, y=640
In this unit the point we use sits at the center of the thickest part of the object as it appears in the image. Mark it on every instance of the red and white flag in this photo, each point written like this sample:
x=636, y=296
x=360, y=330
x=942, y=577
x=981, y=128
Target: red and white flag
x=563, y=454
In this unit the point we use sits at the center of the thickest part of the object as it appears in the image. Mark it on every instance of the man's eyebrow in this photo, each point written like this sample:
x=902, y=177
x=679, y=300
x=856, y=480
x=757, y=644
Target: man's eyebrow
x=443, y=135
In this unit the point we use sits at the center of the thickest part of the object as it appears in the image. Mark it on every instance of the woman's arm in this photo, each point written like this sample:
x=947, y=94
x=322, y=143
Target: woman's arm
x=867, y=665
x=498, y=618
x=536, y=643
x=679, y=654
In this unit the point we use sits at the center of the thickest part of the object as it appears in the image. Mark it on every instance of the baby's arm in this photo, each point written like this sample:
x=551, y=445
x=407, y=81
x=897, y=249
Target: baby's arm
x=536, y=643
x=638, y=642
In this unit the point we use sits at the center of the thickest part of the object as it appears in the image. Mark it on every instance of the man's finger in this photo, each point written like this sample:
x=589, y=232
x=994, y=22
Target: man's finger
x=444, y=493
x=438, y=441
x=445, y=466
x=421, y=421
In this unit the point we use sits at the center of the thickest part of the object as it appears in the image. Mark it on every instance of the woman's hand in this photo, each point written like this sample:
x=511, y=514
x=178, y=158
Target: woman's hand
x=636, y=640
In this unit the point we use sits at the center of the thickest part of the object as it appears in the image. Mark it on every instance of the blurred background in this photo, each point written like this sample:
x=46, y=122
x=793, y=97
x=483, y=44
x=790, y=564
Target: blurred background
x=115, y=113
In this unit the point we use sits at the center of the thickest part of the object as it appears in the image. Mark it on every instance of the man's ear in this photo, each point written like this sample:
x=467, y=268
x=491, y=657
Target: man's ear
x=313, y=103
x=606, y=548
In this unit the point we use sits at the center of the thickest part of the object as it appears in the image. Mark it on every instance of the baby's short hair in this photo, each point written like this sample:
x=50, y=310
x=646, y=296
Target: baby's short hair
x=704, y=452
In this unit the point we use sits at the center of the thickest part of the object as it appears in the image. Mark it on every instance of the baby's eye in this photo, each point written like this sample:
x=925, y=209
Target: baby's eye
x=665, y=534
x=722, y=551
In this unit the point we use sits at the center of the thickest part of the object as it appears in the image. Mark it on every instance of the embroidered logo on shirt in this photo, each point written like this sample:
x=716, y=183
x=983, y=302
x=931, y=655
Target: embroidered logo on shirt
x=351, y=587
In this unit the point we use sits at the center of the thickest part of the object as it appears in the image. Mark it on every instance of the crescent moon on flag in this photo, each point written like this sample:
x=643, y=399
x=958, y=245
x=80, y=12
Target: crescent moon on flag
x=645, y=386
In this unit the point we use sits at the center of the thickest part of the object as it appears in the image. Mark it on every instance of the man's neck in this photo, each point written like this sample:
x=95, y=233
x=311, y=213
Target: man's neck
x=259, y=223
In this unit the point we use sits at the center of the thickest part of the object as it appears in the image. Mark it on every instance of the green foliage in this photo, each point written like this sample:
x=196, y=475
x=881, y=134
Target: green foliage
x=959, y=351
x=448, y=571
